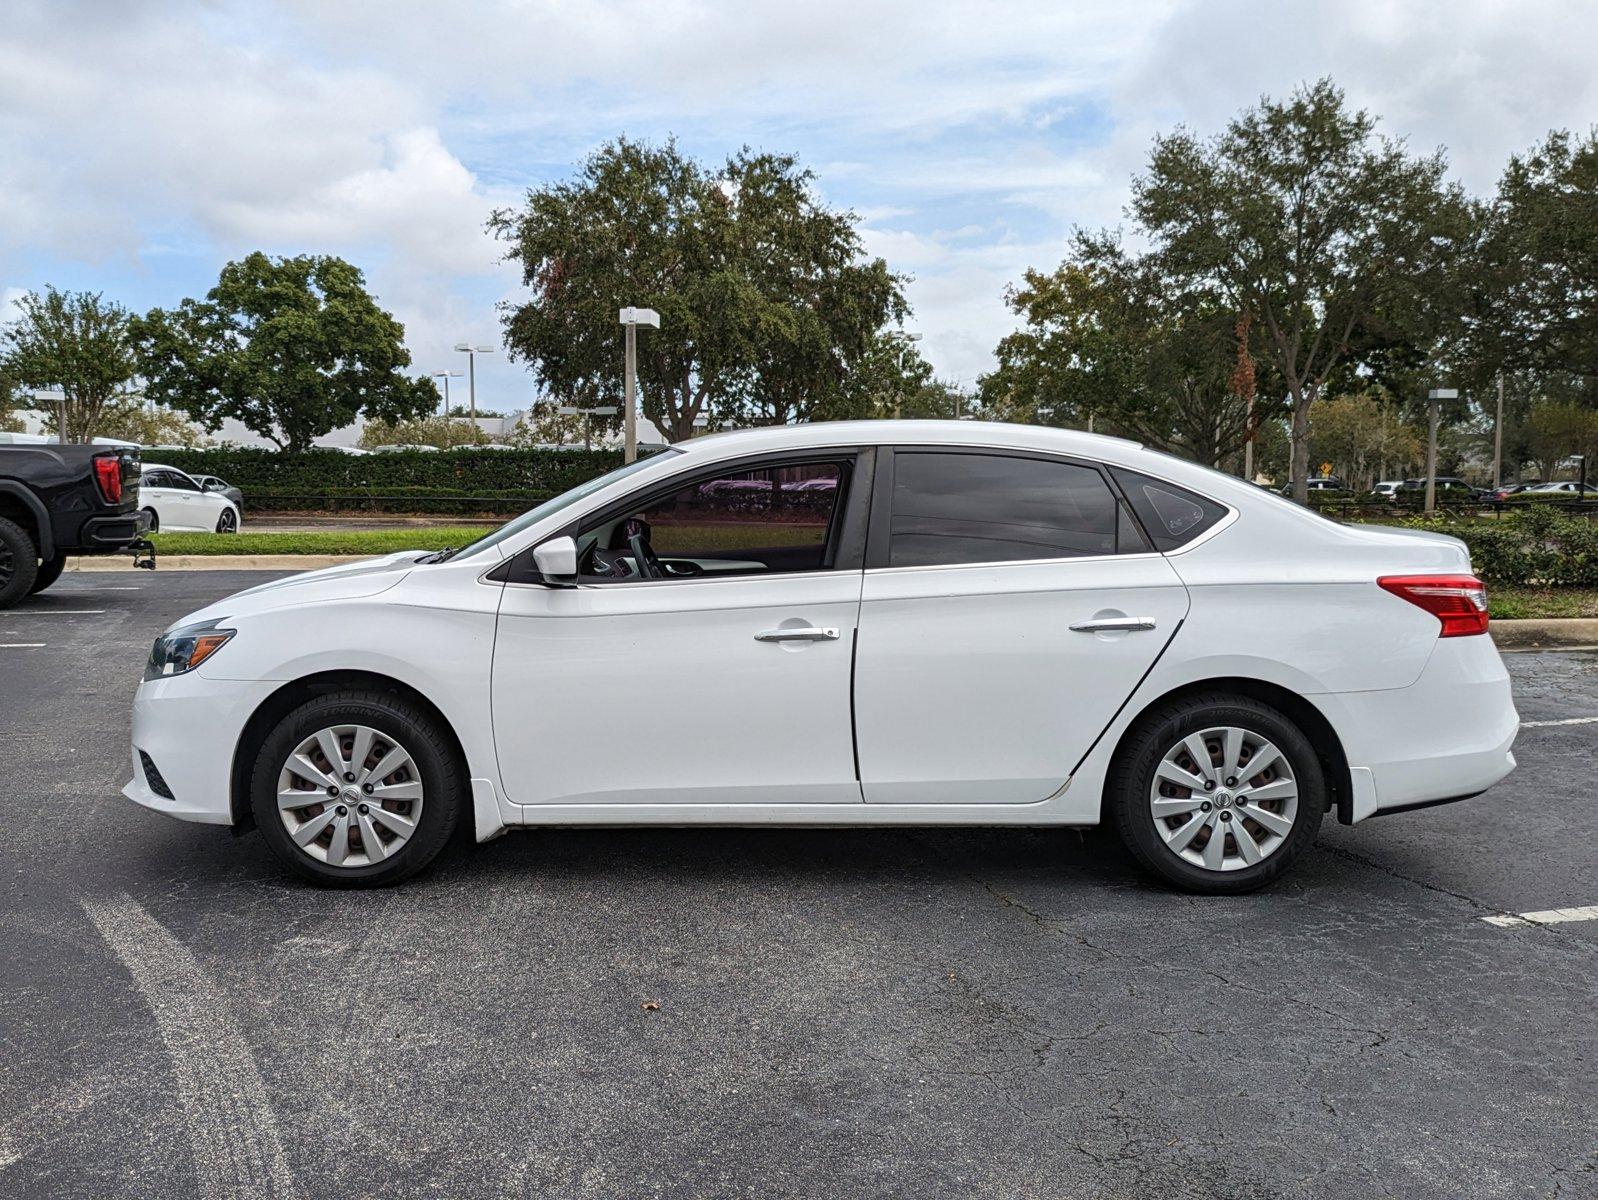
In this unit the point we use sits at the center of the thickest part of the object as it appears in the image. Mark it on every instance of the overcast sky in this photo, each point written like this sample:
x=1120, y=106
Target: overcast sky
x=142, y=144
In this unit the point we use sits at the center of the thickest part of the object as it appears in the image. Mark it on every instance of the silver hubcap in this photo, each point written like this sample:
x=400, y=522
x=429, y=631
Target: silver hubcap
x=350, y=796
x=1224, y=798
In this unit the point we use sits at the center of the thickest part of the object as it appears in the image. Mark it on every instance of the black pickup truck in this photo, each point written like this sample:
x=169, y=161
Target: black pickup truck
x=60, y=500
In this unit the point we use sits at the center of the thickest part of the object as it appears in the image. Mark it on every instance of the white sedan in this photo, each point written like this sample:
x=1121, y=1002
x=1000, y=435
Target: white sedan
x=953, y=624
x=174, y=501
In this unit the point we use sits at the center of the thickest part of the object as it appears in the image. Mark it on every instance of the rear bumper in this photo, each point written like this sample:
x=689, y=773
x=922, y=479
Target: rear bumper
x=1445, y=737
x=110, y=535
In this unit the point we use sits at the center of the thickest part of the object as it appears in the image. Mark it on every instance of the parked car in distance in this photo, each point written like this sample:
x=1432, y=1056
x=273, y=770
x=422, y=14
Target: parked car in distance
x=983, y=625
x=57, y=501
x=1387, y=489
x=211, y=483
x=1328, y=483
x=1450, y=489
x=174, y=501
x=1558, y=490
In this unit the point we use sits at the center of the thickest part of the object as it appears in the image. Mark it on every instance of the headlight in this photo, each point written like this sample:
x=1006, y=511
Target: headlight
x=181, y=650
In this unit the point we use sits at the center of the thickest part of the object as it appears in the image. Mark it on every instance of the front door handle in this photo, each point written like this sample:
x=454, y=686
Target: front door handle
x=800, y=633
x=1105, y=624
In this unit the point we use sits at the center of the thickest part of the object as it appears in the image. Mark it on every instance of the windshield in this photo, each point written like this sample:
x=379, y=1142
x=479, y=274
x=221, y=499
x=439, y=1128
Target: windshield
x=549, y=507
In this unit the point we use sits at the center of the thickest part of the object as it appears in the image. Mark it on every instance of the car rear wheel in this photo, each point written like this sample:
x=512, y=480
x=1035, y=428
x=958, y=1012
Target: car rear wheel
x=357, y=789
x=49, y=571
x=1217, y=793
x=19, y=563
x=153, y=522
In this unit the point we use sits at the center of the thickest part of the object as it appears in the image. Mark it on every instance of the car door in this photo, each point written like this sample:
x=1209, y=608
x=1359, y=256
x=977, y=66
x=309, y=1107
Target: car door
x=156, y=492
x=724, y=682
x=1011, y=604
x=197, y=509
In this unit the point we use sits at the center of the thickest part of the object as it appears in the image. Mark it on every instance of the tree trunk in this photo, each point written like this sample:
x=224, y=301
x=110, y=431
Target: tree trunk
x=1298, y=462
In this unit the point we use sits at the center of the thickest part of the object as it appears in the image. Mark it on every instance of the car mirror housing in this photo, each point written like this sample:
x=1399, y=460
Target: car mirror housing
x=556, y=561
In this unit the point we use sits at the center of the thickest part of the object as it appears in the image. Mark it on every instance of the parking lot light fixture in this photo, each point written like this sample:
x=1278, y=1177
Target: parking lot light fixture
x=471, y=352
x=632, y=318
x=1432, y=397
x=59, y=398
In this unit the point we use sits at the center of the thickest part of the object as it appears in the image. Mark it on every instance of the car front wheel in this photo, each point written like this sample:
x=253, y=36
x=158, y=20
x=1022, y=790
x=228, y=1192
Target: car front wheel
x=228, y=522
x=1217, y=793
x=357, y=789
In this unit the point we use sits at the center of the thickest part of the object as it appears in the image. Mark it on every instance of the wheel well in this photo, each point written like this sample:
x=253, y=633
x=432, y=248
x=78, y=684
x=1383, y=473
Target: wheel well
x=1309, y=719
x=18, y=513
x=289, y=697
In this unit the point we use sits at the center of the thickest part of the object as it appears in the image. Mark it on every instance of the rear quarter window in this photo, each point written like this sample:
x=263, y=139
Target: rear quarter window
x=1171, y=515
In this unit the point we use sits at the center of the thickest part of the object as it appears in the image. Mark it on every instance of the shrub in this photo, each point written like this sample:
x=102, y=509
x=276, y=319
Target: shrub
x=466, y=471
x=1535, y=545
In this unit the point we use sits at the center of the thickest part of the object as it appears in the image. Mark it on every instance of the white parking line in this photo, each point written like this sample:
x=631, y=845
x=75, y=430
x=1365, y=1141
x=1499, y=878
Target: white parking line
x=1566, y=721
x=55, y=612
x=21, y=645
x=232, y=1130
x=1550, y=916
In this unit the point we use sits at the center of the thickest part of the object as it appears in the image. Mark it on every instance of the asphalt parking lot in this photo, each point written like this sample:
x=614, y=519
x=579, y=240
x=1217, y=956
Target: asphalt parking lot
x=765, y=1013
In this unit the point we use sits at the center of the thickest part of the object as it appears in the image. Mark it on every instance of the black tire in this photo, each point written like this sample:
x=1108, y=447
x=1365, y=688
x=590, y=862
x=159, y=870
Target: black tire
x=49, y=571
x=227, y=522
x=443, y=778
x=19, y=563
x=155, y=522
x=1127, y=798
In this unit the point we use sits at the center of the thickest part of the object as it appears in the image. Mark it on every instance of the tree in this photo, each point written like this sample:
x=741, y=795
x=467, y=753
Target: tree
x=1540, y=259
x=1362, y=436
x=1113, y=337
x=291, y=347
x=131, y=420
x=431, y=430
x=10, y=400
x=765, y=297
x=1556, y=430
x=1306, y=220
x=78, y=342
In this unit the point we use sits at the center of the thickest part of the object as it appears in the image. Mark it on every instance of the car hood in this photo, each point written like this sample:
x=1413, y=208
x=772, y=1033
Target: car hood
x=347, y=581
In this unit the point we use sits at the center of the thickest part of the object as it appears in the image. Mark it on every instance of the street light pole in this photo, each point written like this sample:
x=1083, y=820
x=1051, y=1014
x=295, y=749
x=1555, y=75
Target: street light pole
x=632, y=318
x=1498, y=438
x=59, y=398
x=1432, y=397
x=572, y=410
x=471, y=353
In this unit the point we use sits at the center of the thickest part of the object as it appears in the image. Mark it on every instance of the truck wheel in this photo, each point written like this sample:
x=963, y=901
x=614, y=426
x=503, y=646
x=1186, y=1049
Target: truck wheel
x=49, y=571
x=19, y=563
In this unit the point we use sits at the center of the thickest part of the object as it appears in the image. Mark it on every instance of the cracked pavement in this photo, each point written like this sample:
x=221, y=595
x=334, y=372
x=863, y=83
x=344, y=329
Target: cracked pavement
x=888, y=1012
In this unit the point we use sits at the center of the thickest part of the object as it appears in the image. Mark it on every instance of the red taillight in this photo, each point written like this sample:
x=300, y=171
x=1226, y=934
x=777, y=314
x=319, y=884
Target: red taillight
x=1458, y=601
x=108, y=474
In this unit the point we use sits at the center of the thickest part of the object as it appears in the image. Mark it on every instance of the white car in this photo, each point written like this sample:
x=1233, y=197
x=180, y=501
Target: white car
x=175, y=501
x=987, y=625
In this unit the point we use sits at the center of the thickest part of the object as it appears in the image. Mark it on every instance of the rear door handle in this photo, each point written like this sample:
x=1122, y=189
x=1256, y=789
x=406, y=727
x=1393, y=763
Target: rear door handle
x=1104, y=624
x=801, y=633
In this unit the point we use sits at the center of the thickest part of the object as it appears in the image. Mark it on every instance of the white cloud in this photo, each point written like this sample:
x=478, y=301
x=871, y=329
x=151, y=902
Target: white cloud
x=149, y=141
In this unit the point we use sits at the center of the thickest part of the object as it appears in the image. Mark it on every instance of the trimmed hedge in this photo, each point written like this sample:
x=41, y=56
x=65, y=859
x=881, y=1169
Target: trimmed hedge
x=395, y=500
x=465, y=471
x=1535, y=545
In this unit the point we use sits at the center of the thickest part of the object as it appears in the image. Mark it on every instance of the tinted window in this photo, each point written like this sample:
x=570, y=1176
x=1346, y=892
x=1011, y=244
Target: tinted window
x=975, y=508
x=775, y=518
x=1172, y=515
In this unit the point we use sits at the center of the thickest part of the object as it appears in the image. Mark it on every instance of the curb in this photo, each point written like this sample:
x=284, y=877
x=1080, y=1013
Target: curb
x=1563, y=633
x=222, y=562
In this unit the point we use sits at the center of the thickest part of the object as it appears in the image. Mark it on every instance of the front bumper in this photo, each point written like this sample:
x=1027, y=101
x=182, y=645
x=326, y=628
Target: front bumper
x=189, y=726
x=1445, y=737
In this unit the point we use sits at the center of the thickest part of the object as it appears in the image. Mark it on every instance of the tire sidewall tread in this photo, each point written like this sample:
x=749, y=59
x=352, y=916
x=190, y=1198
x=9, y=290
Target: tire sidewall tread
x=25, y=563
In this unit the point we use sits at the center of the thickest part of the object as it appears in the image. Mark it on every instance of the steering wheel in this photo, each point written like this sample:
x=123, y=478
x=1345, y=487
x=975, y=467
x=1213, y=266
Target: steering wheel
x=636, y=531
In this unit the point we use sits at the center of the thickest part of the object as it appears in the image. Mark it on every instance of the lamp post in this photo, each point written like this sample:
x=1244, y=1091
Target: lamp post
x=1581, y=487
x=446, y=376
x=471, y=352
x=573, y=410
x=1432, y=397
x=632, y=318
x=59, y=398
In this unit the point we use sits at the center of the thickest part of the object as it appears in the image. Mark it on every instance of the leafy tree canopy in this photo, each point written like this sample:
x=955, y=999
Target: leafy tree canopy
x=291, y=347
x=1303, y=217
x=767, y=301
x=78, y=342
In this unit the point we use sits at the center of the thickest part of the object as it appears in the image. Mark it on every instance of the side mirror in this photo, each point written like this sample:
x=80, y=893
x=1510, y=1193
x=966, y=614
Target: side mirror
x=556, y=561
